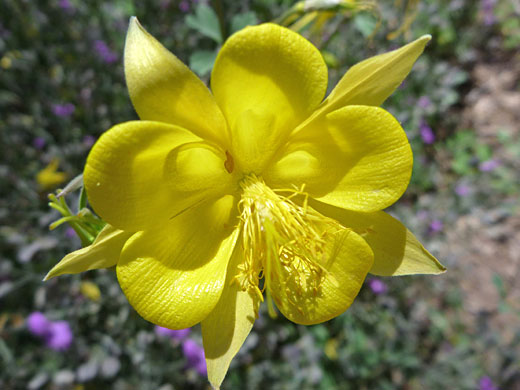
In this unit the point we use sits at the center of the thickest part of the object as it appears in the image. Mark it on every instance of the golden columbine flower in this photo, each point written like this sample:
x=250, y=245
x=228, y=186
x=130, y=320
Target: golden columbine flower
x=214, y=198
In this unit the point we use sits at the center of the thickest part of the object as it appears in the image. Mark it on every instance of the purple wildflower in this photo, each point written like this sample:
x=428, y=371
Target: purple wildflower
x=462, y=190
x=70, y=233
x=38, y=324
x=487, y=8
x=436, y=226
x=194, y=353
x=39, y=142
x=57, y=335
x=86, y=94
x=104, y=52
x=377, y=286
x=184, y=6
x=427, y=134
x=424, y=102
x=180, y=334
x=63, y=110
x=486, y=383
x=488, y=166
x=422, y=215
x=88, y=141
x=164, y=4
x=66, y=6
x=60, y=336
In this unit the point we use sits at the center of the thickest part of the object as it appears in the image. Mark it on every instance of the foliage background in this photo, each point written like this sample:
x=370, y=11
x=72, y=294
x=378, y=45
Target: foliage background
x=459, y=108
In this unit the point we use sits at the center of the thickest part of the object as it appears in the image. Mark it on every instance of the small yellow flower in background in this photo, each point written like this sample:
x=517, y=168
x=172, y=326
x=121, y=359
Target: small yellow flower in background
x=258, y=190
x=331, y=349
x=49, y=177
x=6, y=62
x=90, y=290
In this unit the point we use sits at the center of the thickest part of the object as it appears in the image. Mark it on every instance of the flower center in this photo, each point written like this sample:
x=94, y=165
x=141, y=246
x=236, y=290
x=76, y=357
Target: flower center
x=283, y=241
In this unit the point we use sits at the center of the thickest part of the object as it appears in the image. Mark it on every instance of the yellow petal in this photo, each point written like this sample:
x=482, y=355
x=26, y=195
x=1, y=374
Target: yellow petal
x=102, y=253
x=348, y=260
x=226, y=328
x=371, y=81
x=163, y=89
x=268, y=69
x=254, y=142
x=396, y=250
x=174, y=275
x=357, y=157
x=197, y=168
x=130, y=169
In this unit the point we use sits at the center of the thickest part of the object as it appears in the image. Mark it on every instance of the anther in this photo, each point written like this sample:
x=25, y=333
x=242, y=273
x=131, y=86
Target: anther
x=283, y=242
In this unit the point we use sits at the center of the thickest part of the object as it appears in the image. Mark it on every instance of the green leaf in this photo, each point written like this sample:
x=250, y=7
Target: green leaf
x=201, y=61
x=82, y=202
x=239, y=21
x=446, y=35
x=461, y=164
x=330, y=59
x=8, y=98
x=503, y=307
x=321, y=333
x=499, y=285
x=126, y=7
x=483, y=152
x=504, y=137
x=205, y=21
x=365, y=23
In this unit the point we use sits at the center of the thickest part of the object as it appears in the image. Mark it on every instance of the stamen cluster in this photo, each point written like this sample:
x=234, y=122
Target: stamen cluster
x=283, y=242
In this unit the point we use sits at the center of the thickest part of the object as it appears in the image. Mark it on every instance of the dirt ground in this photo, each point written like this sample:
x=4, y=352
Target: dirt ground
x=491, y=237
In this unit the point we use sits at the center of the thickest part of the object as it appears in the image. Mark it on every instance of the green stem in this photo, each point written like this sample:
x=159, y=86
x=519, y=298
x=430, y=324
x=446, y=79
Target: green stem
x=55, y=206
x=85, y=237
x=60, y=221
x=85, y=224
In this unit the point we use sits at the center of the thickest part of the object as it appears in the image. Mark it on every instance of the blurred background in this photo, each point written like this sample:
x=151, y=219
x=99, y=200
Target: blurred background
x=62, y=86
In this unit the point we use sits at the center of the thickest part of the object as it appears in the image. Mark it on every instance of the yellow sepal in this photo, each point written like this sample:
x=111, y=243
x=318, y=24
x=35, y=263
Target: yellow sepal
x=102, y=253
x=373, y=80
x=226, y=328
x=396, y=250
x=163, y=89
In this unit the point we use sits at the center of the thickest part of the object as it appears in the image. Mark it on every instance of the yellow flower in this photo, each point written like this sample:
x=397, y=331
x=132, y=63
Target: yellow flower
x=90, y=290
x=49, y=177
x=260, y=186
